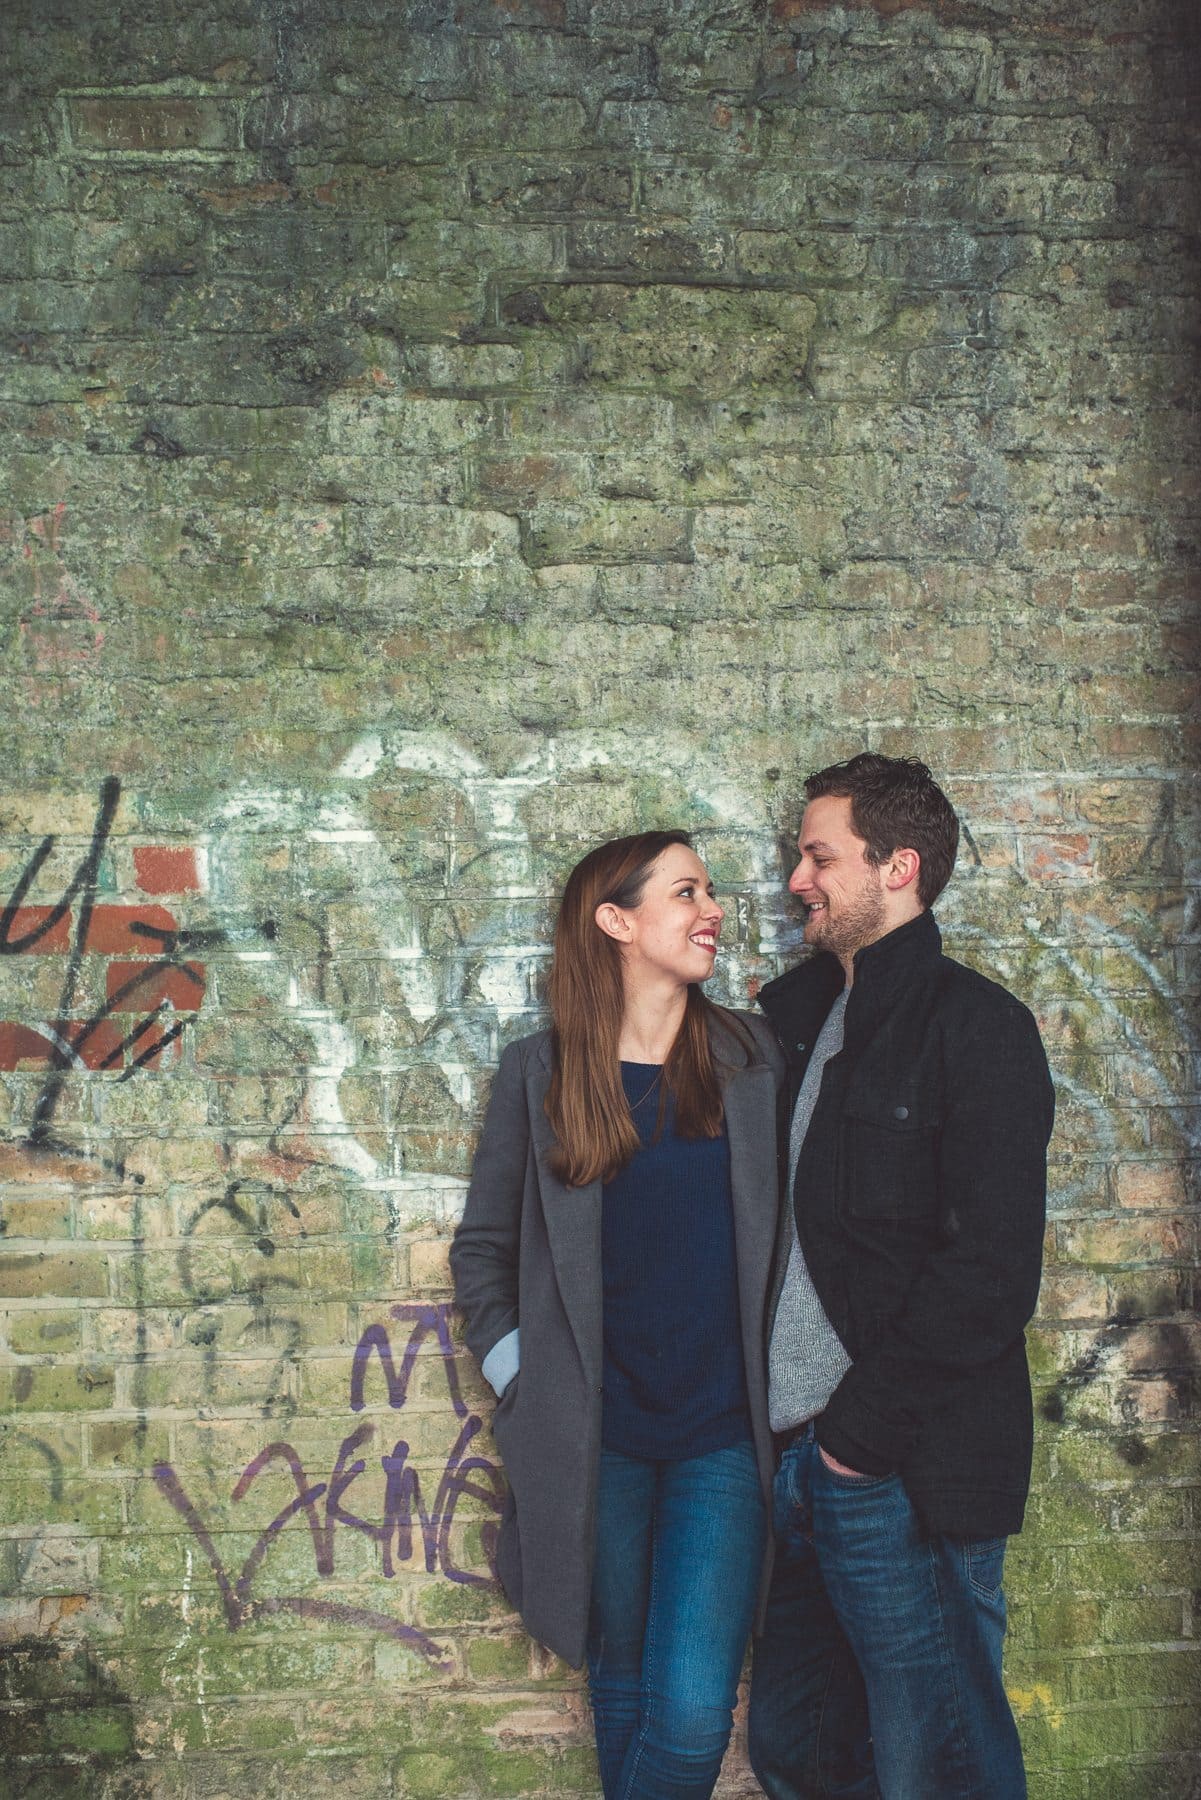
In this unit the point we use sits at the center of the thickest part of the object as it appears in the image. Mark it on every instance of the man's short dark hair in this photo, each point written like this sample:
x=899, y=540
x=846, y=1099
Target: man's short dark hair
x=896, y=804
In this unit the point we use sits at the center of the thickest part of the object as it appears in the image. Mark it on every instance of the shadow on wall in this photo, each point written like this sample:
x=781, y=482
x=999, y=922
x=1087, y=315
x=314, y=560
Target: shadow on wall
x=75, y=1726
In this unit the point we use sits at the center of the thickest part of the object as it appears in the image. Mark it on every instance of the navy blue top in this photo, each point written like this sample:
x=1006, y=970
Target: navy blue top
x=674, y=1380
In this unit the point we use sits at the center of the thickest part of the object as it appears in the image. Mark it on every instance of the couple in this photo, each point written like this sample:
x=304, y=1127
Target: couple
x=716, y=1412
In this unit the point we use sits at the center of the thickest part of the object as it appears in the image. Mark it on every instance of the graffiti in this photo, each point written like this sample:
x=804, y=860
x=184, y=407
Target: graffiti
x=1136, y=1352
x=434, y=1317
x=150, y=976
x=168, y=987
x=27, y=1552
x=253, y=1282
x=455, y=997
x=404, y=1519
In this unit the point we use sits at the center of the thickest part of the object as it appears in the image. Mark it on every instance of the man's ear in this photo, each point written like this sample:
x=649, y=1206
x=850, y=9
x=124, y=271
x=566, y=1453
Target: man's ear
x=902, y=869
x=612, y=921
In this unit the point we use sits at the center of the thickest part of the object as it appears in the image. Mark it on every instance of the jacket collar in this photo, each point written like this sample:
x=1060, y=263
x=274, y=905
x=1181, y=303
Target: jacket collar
x=884, y=970
x=797, y=1002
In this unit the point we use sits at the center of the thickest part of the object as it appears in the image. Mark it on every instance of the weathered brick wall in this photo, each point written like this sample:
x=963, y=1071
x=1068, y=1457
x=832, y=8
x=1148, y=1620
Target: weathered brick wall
x=435, y=438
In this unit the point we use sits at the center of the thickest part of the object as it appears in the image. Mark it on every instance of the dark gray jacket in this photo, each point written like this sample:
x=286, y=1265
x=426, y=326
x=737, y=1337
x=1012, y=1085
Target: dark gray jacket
x=529, y=1249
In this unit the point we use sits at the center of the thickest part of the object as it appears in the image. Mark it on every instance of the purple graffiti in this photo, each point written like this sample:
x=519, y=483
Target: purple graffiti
x=425, y=1317
x=402, y=1512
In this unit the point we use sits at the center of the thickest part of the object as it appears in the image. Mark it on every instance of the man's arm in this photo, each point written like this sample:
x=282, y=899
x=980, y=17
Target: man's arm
x=973, y=1296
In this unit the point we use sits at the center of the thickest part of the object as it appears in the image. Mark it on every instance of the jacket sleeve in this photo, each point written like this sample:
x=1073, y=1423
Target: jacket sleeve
x=974, y=1293
x=484, y=1254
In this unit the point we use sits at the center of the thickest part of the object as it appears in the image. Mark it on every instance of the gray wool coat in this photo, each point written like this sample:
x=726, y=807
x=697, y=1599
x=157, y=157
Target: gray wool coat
x=527, y=1259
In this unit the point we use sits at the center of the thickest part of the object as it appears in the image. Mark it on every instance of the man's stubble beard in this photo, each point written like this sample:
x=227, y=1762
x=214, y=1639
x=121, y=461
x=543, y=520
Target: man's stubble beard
x=860, y=921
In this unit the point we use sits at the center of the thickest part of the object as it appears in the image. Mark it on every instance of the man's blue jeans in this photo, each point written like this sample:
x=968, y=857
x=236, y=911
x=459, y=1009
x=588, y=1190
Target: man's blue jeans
x=879, y=1671
x=679, y=1552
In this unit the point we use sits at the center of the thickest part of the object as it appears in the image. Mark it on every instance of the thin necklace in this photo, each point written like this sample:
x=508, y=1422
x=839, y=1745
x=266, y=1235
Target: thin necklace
x=635, y=1104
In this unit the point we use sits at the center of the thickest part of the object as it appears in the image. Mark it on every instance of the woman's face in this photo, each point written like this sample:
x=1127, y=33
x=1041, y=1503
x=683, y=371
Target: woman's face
x=673, y=930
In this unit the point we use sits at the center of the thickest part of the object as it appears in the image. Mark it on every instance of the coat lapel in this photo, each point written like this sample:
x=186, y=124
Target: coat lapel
x=749, y=1099
x=573, y=1230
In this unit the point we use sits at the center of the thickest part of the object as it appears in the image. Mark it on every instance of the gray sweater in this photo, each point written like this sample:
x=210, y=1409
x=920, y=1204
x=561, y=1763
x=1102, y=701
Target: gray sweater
x=806, y=1360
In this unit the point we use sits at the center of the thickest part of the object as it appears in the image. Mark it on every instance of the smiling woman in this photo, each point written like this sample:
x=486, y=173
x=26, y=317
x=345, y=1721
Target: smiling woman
x=612, y=1264
x=672, y=933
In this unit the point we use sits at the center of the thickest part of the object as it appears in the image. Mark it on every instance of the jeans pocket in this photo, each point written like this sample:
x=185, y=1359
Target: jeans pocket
x=985, y=1561
x=837, y=1477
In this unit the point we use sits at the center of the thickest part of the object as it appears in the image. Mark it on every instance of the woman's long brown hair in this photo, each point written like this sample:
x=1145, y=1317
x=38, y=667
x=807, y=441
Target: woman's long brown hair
x=586, y=1104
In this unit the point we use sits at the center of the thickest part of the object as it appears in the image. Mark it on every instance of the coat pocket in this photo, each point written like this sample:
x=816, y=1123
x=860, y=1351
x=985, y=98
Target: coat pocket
x=502, y=1421
x=889, y=1163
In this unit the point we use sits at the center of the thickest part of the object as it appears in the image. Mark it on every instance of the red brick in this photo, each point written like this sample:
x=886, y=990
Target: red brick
x=165, y=1053
x=102, y=1042
x=111, y=929
x=22, y=1044
x=32, y=1044
x=28, y=918
x=1150, y=1184
x=1051, y=858
x=163, y=871
x=173, y=983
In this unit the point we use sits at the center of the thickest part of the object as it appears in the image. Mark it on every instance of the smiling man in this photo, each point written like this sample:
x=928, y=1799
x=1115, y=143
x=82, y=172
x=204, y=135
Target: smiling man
x=908, y=1267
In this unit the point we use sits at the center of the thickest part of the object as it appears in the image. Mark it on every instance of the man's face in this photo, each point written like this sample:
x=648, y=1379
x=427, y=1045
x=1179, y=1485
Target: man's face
x=845, y=894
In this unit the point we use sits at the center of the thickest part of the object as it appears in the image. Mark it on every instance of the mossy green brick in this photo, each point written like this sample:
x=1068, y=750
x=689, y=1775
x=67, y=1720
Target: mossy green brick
x=30, y=1332
x=137, y=1561
x=1123, y=1565
x=78, y=1274
x=505, y=1771
x=446, y=1605
x=500, y=1659
x=91, y=1504
x=1165, y=1727
x=1143, y=1779
x=1167, y=1676
x=431, y=1775
x=1148, y=1618
x=1090, y=1456
x=79, y=1386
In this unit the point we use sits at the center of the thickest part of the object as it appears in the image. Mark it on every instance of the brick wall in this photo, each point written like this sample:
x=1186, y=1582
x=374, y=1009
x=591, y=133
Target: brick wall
x=436, y=438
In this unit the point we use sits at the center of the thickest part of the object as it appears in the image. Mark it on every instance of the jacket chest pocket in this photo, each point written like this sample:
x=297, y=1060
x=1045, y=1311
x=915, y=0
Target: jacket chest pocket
x=889, y=1163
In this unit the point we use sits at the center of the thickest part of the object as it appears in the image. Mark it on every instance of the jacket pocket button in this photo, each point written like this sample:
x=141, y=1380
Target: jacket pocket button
x=900, y=1112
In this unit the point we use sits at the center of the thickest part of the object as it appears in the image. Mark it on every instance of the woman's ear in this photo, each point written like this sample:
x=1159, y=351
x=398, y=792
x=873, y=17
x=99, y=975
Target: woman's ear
x=612, y=921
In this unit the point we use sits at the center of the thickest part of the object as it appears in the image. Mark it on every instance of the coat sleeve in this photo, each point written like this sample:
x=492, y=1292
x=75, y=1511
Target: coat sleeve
x=484, y=1254
x=972, y=1296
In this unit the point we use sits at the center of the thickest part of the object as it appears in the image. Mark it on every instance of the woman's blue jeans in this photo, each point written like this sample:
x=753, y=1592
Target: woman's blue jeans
x=879, y=1669
x=679, y=1551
